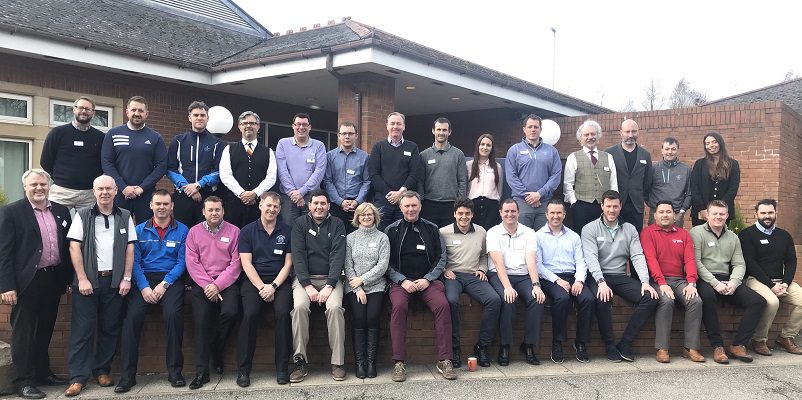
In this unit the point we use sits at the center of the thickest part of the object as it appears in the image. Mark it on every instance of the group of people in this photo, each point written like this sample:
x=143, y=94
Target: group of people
x=252, y=228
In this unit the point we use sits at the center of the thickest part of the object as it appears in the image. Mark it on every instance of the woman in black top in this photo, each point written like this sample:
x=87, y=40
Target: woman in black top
x=715, y=176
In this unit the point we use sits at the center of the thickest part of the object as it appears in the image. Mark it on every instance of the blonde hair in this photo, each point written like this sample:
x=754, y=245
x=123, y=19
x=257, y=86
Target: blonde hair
x=364, y=208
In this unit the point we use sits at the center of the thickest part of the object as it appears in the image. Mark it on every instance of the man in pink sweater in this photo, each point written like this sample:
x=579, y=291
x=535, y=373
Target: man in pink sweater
x=672, y=265
x=213, y=263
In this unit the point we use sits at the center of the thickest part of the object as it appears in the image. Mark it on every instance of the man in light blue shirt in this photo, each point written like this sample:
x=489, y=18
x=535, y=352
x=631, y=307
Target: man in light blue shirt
x=301, y=165
x=347, y=180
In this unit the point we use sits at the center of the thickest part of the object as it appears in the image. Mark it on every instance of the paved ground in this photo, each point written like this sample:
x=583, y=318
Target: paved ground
x=776, y=377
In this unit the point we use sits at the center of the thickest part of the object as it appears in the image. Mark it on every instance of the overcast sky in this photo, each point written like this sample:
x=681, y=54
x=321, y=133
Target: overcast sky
x=606, y=52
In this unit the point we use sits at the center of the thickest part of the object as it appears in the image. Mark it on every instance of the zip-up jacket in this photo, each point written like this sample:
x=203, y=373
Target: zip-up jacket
x=318, y=249
x=194, y=157
x=429, y=233
x=155, y=255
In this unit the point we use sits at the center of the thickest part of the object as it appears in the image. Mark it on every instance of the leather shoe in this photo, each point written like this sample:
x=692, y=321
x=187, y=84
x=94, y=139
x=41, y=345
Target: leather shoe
x=52, y=380
x=504, y=355
x=122, y=387
x=282, y=377
x=177, y=381
x=693, y=355
x=557, y=352
x=217, y=363
x=198, y=381
x=104, y=380
x=662, y=356
x=244, y=379
x=760, y=347
x=720, y=356
x=739, y=352
x=481, y=355
x=529, y=351
x=31, y=392
x=74, y=389
x=456, y=357
x=789, y=345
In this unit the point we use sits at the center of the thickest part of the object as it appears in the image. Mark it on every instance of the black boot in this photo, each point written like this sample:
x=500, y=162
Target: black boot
x=504, y=355
x=360, y=344
x=373, y=347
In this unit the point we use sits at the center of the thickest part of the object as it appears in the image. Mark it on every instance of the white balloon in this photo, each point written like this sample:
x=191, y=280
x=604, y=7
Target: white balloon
x=220, y=120
x=550, y=132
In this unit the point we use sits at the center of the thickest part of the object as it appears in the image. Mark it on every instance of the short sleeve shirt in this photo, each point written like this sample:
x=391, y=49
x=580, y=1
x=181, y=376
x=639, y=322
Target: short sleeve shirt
x=104, y=237
x=512, y=247
x=267, y=250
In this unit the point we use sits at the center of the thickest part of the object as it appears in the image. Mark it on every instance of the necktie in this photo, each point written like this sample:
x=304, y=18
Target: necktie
x=250, y=150
x=593, y=158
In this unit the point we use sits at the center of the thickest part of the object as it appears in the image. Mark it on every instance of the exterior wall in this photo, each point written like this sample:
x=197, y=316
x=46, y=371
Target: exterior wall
x=378, y=100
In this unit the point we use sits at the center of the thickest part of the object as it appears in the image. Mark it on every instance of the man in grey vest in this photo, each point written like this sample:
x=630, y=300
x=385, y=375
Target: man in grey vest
x=633, y=166
x=589, y=172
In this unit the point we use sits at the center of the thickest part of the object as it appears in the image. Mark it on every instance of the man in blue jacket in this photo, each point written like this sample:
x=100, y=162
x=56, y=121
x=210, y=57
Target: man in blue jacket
x=158, y=267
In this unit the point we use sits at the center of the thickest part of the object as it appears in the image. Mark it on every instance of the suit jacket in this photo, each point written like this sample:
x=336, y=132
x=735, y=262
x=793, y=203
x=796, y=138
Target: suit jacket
x=21, y=245
x=637, y=184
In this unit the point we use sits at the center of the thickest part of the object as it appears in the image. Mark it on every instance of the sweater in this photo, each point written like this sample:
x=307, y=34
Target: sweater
x=608, y=254
x=465, y=252
x=391, y=168
x=768, y=257
x=444, y=175
x=318, y=249
x=153, y=254
x=367, y=255
x=672, y=182
x=213, y=258
x=72, y=156
x=533, y=169
x=718, y=255
x=668, y=253
x=134, y=158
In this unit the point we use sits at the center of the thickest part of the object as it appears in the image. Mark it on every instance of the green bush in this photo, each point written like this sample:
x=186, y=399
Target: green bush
x=737, y=223
x=3, y=198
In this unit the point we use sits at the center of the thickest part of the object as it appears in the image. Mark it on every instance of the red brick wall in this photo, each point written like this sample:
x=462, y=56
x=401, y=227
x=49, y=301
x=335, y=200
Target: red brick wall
x=378, y=100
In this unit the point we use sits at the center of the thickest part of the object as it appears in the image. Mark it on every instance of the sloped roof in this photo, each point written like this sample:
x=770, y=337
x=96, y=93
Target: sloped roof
x=789, y=92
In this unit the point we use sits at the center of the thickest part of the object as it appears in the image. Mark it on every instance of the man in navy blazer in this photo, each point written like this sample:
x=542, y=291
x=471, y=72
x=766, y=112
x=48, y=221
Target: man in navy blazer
x=35, y=269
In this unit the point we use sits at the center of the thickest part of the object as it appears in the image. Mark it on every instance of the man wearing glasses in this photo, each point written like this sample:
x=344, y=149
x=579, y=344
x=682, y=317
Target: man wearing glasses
x=71, y=155
x=347, y=180
x=301, y=166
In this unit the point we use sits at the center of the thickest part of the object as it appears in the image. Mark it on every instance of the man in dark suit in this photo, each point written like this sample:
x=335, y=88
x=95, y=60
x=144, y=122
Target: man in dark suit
x=35, y=270
x=633, y=165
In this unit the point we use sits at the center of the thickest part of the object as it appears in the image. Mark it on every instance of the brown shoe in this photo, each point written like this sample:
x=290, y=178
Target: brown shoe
x=788, y=344
x=74, y=389
x=662, y=356
x=694, y=355
x=739, y=352
x=720, y=356
x=337, y=372
x=759, y=346
x=104, y=380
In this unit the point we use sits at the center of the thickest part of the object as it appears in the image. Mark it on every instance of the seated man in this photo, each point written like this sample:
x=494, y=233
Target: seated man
x=672, y=265
x=417, y=259
x=608, y=246
x=721, y=266
x=771, y=263
x=512, y=253
x=562, y=269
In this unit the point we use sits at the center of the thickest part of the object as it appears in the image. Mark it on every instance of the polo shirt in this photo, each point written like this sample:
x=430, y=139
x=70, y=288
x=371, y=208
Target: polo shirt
x=267, y=250
x=513, y=247
x=104, y=237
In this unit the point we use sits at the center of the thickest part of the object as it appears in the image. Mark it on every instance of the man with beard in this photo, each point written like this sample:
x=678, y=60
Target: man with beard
x=633, y=166
x=136, y=157
x=771, y=263
x=671, y=182
x=444, y=176
x=71, y=155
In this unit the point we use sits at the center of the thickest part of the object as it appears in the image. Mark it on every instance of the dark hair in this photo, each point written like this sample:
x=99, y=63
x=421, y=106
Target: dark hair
x=463, y=202
x=491, y=159
x=138, y=99
x=556, y=201
x=302, y=116
x=721, y=169
x=319, y=192
x=212, y=199
x=508, y=201
x=347, y=123
x=668, y=202
x=531, y=116
x=92, y=102
x=610, y=195
x=442, y=120
x=766, y=202
x=718, y=203
x=671, y=140
x=197, y=104
x=161, y=192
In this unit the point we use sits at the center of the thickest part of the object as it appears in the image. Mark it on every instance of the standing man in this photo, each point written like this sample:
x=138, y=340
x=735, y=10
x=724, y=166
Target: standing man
x=265, y=252
x=444, y=176
x=589, y=172
x=562, y=269
x=318, y=257
x=136, y=157
x=248, y=170
x=102, y=253
x=213, y=264
x=347, y=181
x=35, y=269
x=158, y=265
x=466, y=272
x=609, y=245
x=721, y=266
x=533, y=170
x=192, y=165
x=670, y=257
x=71, y=155
x=771, y=263
x=394, y=166
x=633, y=166
x=512, y=261
x=301, y=166
x=671, y=182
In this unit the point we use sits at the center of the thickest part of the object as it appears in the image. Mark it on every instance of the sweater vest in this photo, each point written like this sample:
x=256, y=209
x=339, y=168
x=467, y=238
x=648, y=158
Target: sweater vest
x=249, y=171
x=591, y=180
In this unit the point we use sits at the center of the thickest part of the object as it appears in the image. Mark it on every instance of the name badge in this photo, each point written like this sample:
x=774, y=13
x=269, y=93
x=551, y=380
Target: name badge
x=310, y=160
x=600, y=238
x=312, y=232
x=350, y=171
x=431, y=161
x=371, y=245
x=170, y=244
x=525, y=152
x=643, y=161
x=764, y=241
x=457, y=241
x=122, y=231
x=420, y=247
x=711, y=244
x=489, y=170
x=606, y=169
x=408, y=153
x=78, y=143
x=64, y=223
x=225, y=239
x=278, y=251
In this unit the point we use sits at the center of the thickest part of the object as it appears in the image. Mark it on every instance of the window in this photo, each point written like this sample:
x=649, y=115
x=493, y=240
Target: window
x=274, y=132
x=16, y=109
x=15, y=159
x=61, y=113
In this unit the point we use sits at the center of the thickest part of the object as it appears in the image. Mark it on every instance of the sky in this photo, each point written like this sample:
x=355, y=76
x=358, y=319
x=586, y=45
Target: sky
x=606, y=52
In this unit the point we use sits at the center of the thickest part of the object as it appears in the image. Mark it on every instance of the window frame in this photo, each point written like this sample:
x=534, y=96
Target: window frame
x=29, y=109
x=53, y=122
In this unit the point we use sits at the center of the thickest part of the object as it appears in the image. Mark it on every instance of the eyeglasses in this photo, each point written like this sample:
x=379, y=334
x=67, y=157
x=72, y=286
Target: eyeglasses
x=347, y=133
x=81, y=108
x=248, y=123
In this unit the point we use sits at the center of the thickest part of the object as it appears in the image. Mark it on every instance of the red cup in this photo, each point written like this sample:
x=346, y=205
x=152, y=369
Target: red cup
x=472, y=364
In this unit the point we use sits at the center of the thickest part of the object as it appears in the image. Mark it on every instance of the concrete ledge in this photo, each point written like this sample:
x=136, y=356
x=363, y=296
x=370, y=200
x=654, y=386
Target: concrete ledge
x=6, y=369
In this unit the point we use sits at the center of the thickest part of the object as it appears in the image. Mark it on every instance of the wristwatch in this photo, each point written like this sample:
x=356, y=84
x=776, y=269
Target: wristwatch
x=127, y=278
x=274, y=285
x=692, y=284
x=165, y=284
x=600, y=281
x=535, y=284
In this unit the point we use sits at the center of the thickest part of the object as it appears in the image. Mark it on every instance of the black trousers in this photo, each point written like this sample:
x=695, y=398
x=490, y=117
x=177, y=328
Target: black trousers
x=582, y=213
x=138, y=206
x=237, y=213
x=561, y=302
x=534, y=311
x=390, y=212
x=366, y=316
x=187, y=211
x=347, y=217
x=252, y=306
x=32, y=321
x=629, y=289
x=213, y=323
x=744, y=297
x=172, y=305
x=441, y=213
x=480, y=291
x=631, y=215
x=485, y=212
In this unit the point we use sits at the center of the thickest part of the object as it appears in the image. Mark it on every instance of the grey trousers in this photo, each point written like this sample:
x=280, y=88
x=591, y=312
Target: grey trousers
x=665, y=312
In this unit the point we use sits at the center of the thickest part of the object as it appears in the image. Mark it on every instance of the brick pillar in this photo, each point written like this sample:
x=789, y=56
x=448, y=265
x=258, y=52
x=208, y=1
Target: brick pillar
x=378, y=100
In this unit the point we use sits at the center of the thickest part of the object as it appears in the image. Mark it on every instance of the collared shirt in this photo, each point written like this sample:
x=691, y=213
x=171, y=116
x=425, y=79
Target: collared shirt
x=49, y=232
x=300, y=167
x=669, y=253
x=209, y=228
x=268, y=250
x=513, y=247
x=104, y=235
x=465, y=252
x=570, y=173
x=161, y=231
x=485, y=185
x=768, y=231
x=560, y=254
x=395, y=144
x=533, y=169
x=347, y=176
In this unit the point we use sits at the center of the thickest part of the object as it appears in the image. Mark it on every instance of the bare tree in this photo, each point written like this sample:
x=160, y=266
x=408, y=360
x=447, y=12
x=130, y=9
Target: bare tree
x=654, y=98
x=684, y=96
x=628, y=107
x=789, y=76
